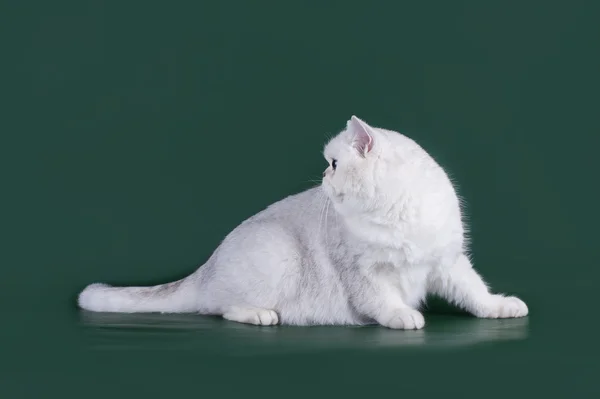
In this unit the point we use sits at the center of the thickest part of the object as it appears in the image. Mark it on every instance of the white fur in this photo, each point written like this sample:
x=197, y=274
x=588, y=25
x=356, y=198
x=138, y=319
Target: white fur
x=382, y=231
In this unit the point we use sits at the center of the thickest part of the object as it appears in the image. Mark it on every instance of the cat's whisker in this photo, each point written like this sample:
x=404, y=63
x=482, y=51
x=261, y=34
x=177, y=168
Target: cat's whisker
x=337, y=221
x=323, y=219
x=328, y=202
x=321, y=212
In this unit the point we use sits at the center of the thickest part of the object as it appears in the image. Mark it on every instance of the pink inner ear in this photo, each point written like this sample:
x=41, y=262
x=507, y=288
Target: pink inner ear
x=363, y=139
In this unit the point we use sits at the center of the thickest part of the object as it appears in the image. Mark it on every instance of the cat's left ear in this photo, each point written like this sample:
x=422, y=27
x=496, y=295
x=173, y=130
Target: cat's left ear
x=363, y=135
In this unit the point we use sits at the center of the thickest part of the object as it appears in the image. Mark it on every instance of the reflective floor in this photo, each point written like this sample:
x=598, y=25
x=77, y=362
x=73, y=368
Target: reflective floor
x=208, y=335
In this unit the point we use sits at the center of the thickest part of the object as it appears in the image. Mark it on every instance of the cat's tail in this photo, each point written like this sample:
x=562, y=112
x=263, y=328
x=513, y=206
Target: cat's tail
x=176, y=297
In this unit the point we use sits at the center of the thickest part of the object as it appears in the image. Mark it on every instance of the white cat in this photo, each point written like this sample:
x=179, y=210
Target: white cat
x=383, y=230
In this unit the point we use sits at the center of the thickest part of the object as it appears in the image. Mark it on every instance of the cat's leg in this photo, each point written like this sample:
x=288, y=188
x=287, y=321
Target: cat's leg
x=402, y=318
x=462, y=285
x=251, y=315
x=379, y=300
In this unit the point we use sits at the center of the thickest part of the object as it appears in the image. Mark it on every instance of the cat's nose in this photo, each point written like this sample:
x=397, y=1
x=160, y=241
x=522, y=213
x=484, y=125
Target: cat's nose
x=324, y=173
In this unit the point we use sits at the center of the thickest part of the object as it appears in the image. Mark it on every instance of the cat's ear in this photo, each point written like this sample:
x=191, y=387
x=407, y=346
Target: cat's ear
x=363, y=135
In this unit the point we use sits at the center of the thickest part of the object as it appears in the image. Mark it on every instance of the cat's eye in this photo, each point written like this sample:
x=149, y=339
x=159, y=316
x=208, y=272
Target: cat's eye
x=334, y=164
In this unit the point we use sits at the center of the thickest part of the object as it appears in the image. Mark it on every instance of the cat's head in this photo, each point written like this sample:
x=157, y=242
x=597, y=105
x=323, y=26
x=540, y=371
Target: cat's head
x=371, y=168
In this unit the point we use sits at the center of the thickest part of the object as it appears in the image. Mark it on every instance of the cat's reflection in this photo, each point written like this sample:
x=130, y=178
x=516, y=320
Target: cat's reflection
x=112, y=331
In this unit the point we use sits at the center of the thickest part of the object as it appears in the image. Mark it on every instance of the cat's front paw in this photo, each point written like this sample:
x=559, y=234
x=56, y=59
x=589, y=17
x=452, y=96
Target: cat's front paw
x=404, y=319
x=501, y=307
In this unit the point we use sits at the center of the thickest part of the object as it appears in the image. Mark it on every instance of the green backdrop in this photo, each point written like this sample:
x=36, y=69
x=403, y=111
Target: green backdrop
x=136, y=135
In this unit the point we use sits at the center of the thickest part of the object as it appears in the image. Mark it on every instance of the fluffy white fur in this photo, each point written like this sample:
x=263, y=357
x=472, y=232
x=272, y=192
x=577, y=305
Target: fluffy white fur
x=383, y=230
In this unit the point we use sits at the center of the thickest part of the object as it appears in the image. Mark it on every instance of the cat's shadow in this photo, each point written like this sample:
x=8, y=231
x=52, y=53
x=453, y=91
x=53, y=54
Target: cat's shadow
x=445, y=328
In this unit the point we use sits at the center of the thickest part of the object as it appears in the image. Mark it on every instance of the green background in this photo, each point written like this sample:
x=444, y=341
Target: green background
x=136, y=135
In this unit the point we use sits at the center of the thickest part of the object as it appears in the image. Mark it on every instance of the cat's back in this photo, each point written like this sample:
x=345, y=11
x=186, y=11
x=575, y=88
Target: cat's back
x=292, y=210
x=281, y=224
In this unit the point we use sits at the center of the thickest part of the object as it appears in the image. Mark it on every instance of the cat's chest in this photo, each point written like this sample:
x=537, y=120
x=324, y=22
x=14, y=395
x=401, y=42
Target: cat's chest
x=403, y=257
x=400, y=250
x=403, y=243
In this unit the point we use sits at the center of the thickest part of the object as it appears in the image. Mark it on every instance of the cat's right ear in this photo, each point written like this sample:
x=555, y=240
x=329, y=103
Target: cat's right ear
x=363, y=135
